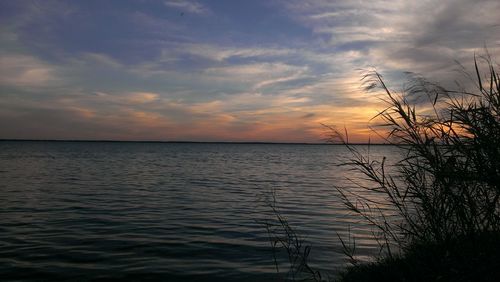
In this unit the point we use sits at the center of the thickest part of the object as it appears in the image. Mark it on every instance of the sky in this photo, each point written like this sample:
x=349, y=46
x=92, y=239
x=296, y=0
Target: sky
x=222, y=70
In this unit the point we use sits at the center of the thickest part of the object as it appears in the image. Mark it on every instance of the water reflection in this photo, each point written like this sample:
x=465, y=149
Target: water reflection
x=173, y=210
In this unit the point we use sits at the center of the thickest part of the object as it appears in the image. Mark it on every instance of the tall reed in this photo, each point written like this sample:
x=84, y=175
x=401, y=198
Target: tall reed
x=446, y=190
x=448, y=183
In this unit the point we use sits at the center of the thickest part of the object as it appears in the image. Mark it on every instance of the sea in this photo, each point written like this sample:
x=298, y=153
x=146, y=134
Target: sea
x=137, y=211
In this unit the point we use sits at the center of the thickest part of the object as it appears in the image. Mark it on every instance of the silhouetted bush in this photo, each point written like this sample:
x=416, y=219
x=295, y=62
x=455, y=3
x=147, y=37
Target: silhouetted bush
x=448, y=183
x=446, y=190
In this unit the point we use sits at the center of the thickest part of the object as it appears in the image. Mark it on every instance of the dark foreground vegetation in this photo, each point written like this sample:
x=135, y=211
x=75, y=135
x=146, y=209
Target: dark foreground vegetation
x=444, y=223
x=461, y=259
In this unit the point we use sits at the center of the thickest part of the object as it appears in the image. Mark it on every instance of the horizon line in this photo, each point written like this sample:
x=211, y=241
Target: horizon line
x=184, y=141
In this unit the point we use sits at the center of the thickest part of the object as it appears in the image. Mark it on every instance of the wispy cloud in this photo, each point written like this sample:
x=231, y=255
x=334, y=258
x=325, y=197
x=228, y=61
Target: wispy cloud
x=188, y=6
x=220, y=52
x=403, y=35
x=146, y=72
x=26, y=71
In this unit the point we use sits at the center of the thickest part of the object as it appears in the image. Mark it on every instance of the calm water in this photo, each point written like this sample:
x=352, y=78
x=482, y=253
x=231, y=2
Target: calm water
x=99, y=210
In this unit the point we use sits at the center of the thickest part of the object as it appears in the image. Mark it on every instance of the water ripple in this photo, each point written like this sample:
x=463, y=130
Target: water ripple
x=147, y=211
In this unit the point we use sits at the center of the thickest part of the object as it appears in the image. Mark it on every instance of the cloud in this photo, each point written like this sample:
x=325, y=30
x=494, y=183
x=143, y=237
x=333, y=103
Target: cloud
x=143, y=97
x=99, y=59
x=403, y=35
x=26, y=71
x=269, y=82
x=187, y=6
x=256, y=69
x=221, y=53
x=144, y=72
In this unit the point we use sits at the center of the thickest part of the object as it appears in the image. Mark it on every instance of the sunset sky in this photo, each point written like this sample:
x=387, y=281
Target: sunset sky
x=270, y=70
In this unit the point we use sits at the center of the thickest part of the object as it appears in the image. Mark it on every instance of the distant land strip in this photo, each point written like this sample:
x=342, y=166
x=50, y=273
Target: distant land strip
x=188, y=142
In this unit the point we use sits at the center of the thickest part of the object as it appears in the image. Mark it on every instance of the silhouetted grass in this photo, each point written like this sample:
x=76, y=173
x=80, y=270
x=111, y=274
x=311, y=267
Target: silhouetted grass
x=447, y=187
x=283, y=237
